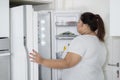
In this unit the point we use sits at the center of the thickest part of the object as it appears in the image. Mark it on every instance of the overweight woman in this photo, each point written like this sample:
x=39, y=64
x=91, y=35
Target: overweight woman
x=86, y=54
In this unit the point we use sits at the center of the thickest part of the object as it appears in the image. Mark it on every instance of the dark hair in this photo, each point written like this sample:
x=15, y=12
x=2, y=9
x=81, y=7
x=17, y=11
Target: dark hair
x=95, y=23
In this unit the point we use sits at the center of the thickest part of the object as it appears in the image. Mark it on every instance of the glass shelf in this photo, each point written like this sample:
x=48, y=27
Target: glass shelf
x=65, y=37
x=67, y=24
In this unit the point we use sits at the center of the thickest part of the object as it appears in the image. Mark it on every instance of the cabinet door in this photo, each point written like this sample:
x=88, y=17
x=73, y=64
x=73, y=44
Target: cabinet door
x=4, y=18
x=4, y=67
x=112, y=69
x=114, y=17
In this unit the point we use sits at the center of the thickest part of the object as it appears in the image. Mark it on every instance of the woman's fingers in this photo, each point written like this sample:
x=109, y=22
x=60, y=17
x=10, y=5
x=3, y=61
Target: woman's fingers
x=34, y=51
x=32, y=54
x=35, y=57
x=31, y=57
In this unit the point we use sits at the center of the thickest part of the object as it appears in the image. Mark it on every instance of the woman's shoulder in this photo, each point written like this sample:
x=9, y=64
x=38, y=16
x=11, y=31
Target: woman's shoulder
x=86, y=38
x=78, y=38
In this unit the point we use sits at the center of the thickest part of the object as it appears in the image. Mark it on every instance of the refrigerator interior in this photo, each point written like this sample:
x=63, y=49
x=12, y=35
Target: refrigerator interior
x=50, y=25
x=64, y=30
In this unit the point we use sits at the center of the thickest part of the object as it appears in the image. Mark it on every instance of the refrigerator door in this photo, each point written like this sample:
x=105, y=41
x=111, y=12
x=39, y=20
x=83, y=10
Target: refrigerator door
x=31, y=39
x=44, y=43
x=18, y=54
x=23, y=40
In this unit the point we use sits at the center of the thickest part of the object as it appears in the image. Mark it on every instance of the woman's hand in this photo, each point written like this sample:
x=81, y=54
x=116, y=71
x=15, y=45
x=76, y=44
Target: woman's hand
x=35, y=57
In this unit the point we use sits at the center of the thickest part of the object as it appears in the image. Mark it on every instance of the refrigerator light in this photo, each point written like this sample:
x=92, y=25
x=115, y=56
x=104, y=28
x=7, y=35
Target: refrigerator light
x=42, y=36
x=42, y=29
x=42, y=21
x=43, y=43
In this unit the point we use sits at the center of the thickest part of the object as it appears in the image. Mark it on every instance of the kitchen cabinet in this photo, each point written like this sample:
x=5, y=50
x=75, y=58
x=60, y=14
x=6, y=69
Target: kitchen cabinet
x=4, y=66
x=112, y=68
x=4, y=58
x=4, y=18
x=114, y=18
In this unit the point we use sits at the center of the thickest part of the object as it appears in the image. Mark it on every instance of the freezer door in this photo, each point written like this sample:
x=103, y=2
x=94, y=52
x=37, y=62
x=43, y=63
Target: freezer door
x=44, y=43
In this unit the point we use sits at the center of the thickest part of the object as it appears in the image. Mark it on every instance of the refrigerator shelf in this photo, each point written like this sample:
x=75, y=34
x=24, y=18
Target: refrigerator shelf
x=59, y=54
x=65, y=38
x=66, y=24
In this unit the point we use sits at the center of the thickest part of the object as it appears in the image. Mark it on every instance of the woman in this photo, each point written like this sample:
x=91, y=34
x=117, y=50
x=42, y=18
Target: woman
x=86, y=54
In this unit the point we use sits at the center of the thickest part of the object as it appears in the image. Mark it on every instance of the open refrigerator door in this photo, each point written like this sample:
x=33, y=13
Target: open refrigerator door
x=23, y=40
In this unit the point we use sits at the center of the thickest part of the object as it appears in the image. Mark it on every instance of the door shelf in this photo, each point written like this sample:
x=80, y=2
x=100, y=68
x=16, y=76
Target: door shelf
x=64, y=38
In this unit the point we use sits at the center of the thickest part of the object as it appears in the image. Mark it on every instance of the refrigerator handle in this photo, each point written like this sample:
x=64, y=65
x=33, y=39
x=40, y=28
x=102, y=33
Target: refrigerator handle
x=25, y=44
x=28, y=62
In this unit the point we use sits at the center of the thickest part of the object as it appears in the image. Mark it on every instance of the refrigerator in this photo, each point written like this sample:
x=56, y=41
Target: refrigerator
x=24, y=37
x=47, y=31
x=64, y=30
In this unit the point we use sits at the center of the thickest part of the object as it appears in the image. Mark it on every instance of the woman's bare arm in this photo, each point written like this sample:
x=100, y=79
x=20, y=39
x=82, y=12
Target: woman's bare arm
x=71, y=59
